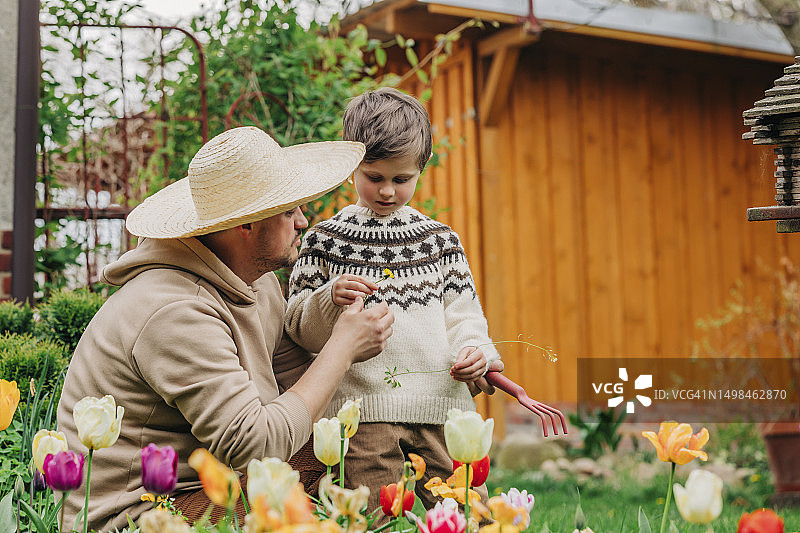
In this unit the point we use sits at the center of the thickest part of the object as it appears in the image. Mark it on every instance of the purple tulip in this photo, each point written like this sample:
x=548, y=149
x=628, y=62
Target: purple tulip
x=39, y=484
x=64, y=470
x=159, y=469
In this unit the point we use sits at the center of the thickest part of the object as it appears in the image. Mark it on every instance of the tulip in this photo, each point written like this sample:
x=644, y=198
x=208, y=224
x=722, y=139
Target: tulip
x=523, y=502
x=700, y=501
x=418, y=463
x=344, y=502
x=675, y=442
x=760, y=521
x=98, y=421
x=220, y=483
x=9, y=399
x=467, y=435
x=64, y=470
x=327, y=441
x=163, y=521
x=47, y=443
x=271, y=478
x=390, y=499
x=480, y=471
x=443, y=518
x=159, y=469
x=39, y=483
x=349, y=415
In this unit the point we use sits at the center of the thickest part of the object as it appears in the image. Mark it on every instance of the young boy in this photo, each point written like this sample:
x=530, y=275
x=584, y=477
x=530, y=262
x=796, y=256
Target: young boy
x=439, y=324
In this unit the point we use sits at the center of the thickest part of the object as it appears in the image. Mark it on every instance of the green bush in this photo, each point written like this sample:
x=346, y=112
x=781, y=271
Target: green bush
x=15, y=318
x=24, y=357
x=66, y=314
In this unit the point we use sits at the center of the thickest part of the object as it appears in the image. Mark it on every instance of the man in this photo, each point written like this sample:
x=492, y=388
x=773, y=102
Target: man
x=192, y=343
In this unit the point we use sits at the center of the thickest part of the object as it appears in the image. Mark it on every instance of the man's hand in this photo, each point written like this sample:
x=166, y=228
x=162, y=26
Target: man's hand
x=348, y=287
x=480, y=384
x=365, y=332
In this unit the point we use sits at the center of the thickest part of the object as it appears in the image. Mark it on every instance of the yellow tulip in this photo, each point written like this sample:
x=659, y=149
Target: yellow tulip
x=675, y=442
x=349, y=415
x=98, y=421
x=9, y=399
x=700, y=501
x=327, y=441
x=220, y=483
x=467, y=435
x=47, y=443
x=419, y=465
x=271, y=478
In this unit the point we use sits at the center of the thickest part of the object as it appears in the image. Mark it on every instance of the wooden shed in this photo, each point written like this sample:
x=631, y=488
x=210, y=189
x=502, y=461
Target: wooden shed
x=597, y=173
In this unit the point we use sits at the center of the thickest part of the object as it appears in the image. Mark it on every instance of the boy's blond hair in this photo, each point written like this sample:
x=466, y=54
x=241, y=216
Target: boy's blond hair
x=390, y=124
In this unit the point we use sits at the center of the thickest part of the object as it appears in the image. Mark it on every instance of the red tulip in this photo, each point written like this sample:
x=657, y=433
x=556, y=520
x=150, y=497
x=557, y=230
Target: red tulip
x=388, y=497
x=480, y=471
x=64, y=470
x=760, y=521
x=159, y=469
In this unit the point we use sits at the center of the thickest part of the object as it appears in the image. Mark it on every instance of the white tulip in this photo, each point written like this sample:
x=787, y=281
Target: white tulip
x=349, y=415
x=700, y=501
x=272, y=478
x=47, y=443
x=98, y=421
x=327, y=441
x=467, y=435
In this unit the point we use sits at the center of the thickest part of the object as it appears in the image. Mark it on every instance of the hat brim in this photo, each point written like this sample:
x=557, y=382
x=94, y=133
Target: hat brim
x=313, y=169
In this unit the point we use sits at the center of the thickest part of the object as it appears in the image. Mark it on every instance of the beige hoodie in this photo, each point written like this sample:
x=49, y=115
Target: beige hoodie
x=197, y=358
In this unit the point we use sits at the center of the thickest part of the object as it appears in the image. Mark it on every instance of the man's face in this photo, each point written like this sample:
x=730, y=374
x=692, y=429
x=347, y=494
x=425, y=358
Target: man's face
x=277, y=239
x=386, y=185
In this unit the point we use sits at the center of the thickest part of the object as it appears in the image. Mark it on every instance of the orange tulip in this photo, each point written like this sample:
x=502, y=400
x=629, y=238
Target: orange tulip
x=419, y=465
x=220, y=483
x=9, y=399
x=760, y=521
x=675, y=442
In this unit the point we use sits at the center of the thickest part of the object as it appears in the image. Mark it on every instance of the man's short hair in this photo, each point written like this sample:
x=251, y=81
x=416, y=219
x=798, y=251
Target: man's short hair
x=390, y=124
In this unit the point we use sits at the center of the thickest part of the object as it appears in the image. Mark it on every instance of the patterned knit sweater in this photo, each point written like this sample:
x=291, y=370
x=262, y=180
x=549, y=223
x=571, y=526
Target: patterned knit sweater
x=432, y=296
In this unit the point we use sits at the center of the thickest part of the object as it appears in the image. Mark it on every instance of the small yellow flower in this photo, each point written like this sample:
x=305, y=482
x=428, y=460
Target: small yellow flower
x=388, y=273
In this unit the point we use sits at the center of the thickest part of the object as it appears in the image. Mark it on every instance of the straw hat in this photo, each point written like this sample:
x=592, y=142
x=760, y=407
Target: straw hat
x=240, y=176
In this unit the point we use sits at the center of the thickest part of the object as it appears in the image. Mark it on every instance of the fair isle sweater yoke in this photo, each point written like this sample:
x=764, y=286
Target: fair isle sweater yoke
x=432, y=296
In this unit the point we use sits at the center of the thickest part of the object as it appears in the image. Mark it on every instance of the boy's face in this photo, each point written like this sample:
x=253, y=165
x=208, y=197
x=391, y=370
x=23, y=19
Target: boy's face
x=386, y=185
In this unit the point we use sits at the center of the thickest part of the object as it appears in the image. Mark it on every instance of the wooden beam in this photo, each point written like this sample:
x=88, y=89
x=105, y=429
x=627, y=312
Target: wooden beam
x=418, y=23
x=619, y=35
x=498, y=83
x=515, y=36
x=473, y=13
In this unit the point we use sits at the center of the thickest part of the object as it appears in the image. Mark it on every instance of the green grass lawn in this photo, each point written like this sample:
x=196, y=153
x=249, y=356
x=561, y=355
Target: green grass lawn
x=612, y=507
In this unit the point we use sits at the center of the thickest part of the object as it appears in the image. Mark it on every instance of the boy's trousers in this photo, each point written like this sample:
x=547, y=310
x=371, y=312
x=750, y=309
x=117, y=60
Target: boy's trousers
x=378, y=450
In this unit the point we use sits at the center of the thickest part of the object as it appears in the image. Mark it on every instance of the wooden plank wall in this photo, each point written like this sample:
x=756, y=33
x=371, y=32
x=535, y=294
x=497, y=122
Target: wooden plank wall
x=605, y=213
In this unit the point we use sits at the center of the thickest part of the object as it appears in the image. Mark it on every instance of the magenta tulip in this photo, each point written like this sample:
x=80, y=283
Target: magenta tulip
x=64, y=470
x=159, y=469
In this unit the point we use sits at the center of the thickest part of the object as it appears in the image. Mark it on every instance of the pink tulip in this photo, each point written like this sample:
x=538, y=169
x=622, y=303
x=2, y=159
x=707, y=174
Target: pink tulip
x=64, y=470
x=159, y=469
x=443, y=518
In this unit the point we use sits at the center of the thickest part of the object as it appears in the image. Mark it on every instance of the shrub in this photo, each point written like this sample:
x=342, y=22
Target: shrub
x=15, y=318
x=66, y=314
x=24, y=357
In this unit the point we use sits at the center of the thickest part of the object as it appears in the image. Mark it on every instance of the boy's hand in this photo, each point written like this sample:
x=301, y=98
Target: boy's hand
x=480, y=384
x=470, y=365
x=348, y=287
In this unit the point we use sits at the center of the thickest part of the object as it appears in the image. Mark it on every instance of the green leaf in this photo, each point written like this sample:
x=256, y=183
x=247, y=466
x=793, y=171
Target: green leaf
x=423, y=76
x=644, y=523
x=380, y=56
x=34, y=517
x=411, y=55
x=401, y=42
x=8, y=518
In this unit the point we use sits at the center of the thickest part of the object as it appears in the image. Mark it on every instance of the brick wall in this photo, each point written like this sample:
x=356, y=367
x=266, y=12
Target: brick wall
x=6, y=243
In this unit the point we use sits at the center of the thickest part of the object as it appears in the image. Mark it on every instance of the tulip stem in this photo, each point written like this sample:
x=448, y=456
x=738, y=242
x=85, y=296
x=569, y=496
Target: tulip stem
x=63, y=497
x=669, y=497
x=466, y=498
x=86, y=500
x=341, y=455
